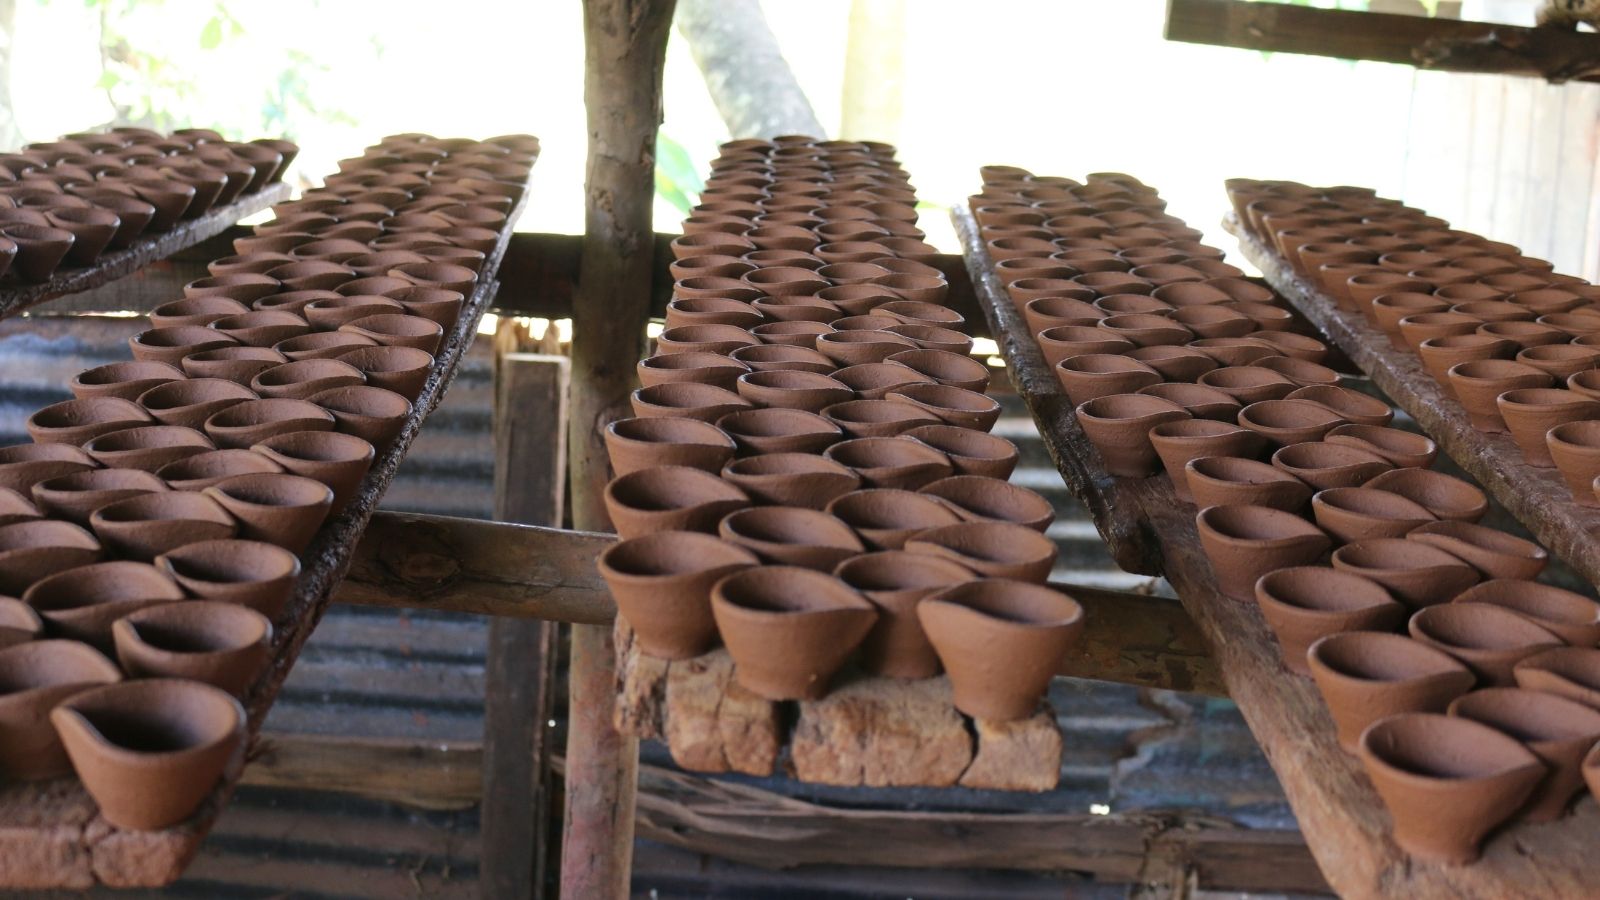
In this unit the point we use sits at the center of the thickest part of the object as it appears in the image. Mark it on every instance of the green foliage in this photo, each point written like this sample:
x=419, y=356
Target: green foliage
x=677, y=177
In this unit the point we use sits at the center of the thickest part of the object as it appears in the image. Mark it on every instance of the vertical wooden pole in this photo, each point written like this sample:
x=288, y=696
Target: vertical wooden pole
x=530, y=431
x=626, y=46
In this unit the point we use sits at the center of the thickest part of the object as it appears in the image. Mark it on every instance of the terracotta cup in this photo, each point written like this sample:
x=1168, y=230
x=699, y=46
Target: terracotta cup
x=1182, y=440
x=1119, y=427
x=1447, y=781
x=990, y=549
x=885, y=518
x=148, y=525
x=1490, y=640
x=1245, y=542
x=255, y=574
x=149, y=751
x=662, y=584
x=970, y=452
x=790, y=479
x=34, y=677
x=1558, y=731
x=789, y=629
x=1574, y=448
x=1365, y=676
x=1494, y=553
x=1402, y=449
x=1227, y=480
x=221, y=644
x=1478, y=385
x=1001, y=642
x=1572, y=672
x=1303, y=604
x=82, y=602
x=1531, y=413
x=1354, y=514
x=978, y=498
x=282, y=509
x=1444, y=496
x=670, y=498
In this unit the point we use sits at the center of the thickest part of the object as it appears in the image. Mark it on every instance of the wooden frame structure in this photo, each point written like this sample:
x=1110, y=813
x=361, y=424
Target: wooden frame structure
x=1343, y=820
x=1448, y=45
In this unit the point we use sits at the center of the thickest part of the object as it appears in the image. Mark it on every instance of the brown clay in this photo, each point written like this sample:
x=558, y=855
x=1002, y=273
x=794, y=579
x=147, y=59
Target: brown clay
x=991, y=549
x=150, y=751
x=1306, y=603
x=34, y=677
x=253, y=421
x=1490, y=640
x=1354, y=514
x=194, y=473
x=82, y=602
x=1001, y=642
x=789, y=629
x=1446, y=781
x=1119, y=427
x=662, y=585
x=1477, y=384
x=76, y=496
x=1179, y=441
x=249, y=573
x=1558, y=731
x=1444, y=496
x=1494, y=553
x=1245, y=542
x=286, y=510
x=221, y=644
x=77, y=422
x=670, y=498
x=148, y=447
x=148, y=525
x=977, y=498
x=1231, y=481
x=895, y=583
x=1365, y=676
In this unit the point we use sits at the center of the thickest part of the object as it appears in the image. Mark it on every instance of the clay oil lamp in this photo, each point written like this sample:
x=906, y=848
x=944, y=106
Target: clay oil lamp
x=281, y=509
x=1365, y=676
x=1286, y=422
x=714, y=369
x=1570, y=616
x=150, y=751
x=1444, y=496
x=221, y=644
x=253, y=421
x=1447, y=781
x=1352, y=406
x=758, y=431
x=1531, y=413
x=190, y=402
x=145, y=526
x=670, y=498
x=951, y=369
x=34, y=677
x=662, y=584
x=687, y=400
x=1244, y=542
x=1225, y=481
x=789, y=629
x=977, y=498
x=991, y=549
x=1302, y=372
x=639, y=443
x=253, y=574
x=791, y=479
x=1389, y=309
x=1574, y=448
x=1415, y=329
x=792, y=536
x=236, y=363
x=896, y=583
x=1248, y=384
x=1415, y=573
x=975, y=624
x=1490, y=640
x=76, y=422
x=879, y=418
x=1572, y=672
x=124, y=380
x=370, y=413
x=1354, y=514
x=1199, y=401
x=1176, y=364
x=1558, y=731
x=1561, y=361
x=891, y=462
x=1179, y=441
x=82, y=602
x=1305, y=603
x=1402, y=449
x=25, y=465
x=1087, y=377
x=1118, y=424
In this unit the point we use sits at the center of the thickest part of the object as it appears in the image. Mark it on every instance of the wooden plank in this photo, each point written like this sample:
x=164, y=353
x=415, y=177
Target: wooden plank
x=530, y=435
x=745, y=823
x=750, y=824
x=1340, y=814
x=1536, y=497
x=1133, y=546
x=1430, y=43
x=15, y=297
x=50, y=835
x=434, y=775
x=442, y=563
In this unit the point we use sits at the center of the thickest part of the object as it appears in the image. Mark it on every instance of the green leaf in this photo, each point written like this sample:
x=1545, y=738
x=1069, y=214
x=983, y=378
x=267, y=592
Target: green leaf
x=108, y=80
x=670, y=192
x=211, y=35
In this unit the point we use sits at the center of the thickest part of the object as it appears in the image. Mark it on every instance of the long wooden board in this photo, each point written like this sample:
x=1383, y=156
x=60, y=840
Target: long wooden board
x=1536, y=497
x=1340, y=815
x=51, y=835
x=18, y=296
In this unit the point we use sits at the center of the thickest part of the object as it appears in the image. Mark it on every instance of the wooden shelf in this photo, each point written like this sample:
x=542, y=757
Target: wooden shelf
x=16, y=296
x=1340, y=815
x=50, y=833
x=1536, y=497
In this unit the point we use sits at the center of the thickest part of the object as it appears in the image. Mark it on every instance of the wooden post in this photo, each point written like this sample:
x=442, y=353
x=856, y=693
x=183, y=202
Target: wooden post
x=626, y=47
x=530, y=432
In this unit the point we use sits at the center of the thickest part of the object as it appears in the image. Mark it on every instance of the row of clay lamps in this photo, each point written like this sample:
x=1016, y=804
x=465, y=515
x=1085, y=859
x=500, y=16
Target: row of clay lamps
x=1333, y=523
x=158, y=518
x=1516, y=343
x=809, y=478
x=64, y=202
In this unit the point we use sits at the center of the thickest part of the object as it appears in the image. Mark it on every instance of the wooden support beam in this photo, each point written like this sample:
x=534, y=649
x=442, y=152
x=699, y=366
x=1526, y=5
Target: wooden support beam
x=1447, y=45
x=625, y=45
x=749, y=824
x=440, y=563
x=1536, y=497
x=147, y=250
x=530, y=435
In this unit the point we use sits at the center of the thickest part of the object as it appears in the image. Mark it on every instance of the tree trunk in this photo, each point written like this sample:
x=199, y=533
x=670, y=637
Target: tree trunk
x=749, y=80
x=626, y=43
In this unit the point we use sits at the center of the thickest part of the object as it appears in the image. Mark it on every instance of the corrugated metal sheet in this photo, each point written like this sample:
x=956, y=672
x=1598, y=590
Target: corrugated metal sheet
x=382, y=673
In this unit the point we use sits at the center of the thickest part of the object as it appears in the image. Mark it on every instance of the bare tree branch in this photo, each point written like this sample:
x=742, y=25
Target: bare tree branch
x=749, y=80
